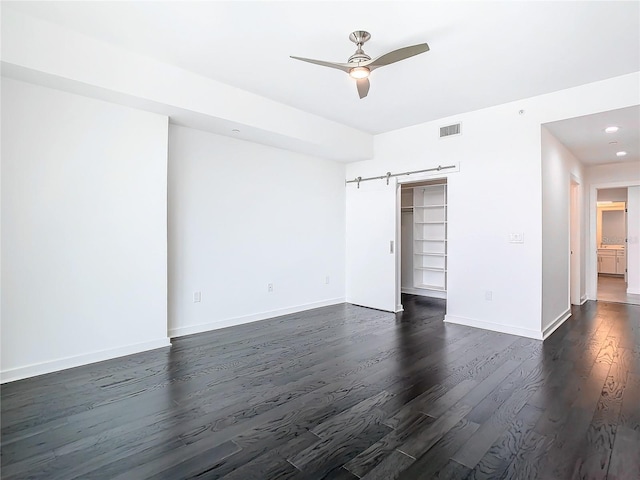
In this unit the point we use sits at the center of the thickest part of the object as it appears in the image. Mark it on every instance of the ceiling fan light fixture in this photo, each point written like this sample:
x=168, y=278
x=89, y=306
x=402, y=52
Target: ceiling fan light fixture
x=360, y=65
x=359, y=72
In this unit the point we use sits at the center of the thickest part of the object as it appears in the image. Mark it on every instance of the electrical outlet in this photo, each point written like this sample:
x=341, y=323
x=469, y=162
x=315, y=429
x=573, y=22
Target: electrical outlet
x=488, y=295
x=197, y=297
x=516, y=238
x=270, y=288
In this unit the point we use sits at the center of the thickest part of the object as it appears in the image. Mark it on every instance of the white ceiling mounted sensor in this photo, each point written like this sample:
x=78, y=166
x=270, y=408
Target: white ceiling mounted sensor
x=360, y=65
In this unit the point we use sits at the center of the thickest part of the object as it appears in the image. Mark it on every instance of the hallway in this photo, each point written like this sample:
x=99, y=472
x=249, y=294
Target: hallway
x=614, y=289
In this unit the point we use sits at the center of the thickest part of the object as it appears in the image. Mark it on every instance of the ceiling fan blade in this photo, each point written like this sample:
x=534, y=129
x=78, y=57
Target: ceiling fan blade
x=345, y=67
x=396, y=56
x=363, y=87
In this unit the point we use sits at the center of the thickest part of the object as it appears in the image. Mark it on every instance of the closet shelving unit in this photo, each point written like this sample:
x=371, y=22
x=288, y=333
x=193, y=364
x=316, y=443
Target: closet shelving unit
x=430, y=237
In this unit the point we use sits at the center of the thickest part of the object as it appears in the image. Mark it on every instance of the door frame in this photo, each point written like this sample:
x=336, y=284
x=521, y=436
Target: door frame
x=592, y=246
x=415, y=178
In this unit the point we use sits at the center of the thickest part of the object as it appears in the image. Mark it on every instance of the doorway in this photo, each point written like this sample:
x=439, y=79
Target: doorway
x=423, y=239
x=612, y=246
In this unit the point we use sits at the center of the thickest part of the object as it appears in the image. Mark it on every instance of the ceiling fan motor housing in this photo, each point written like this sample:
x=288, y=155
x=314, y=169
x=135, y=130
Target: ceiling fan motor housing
x=359, y=56
x=359, y=37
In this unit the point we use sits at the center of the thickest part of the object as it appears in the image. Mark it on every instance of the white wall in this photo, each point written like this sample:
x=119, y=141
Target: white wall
x=613, y=174
x=614, y=228
x=633, y=236
x=497, y=191
x=612, y=195
x=83, y=230
x=243, y=215
x=559, y=167
x=406, y=251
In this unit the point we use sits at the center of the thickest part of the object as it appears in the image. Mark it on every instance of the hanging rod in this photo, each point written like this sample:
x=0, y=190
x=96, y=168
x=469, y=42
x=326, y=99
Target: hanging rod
x=389, y=175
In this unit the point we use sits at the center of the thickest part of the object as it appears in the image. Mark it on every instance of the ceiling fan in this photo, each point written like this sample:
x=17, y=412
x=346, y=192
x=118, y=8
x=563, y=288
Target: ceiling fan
x=360, y=65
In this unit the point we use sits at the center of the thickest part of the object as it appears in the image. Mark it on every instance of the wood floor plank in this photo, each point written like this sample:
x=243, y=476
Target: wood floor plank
x=625, y=458
x=320, y=459
x=391, y=467
x=518, y=379
x=420, y=442
x=595, y=454
x=496, y=461
x=558, y=414
x=272, y=464
x=452, y=471
x=505, y=411
x=491, y=382
x=21, y=469
x=266, y=466
x=363, y=410
x=376, y=453
x=630, y=409
x=281, y=437
x=172, y=465
x=569, y=433
x=451, y=372
x=527, y=462
x=110, y=463
x=338, y=473
x=430, y=463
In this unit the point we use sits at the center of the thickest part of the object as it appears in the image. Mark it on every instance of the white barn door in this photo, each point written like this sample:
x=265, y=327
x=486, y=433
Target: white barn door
x=371, y=244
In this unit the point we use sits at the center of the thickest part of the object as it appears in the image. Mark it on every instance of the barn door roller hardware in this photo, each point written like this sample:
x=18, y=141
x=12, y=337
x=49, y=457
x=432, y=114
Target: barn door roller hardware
x=388, y=175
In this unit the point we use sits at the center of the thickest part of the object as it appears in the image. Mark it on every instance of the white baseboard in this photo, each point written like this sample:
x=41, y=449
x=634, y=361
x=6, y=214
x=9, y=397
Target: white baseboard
x=583, y=299
x=425, y=293
x=555, y=324
x=495, y=327
x=230, y=322
x=79, y=360
x=633, y=291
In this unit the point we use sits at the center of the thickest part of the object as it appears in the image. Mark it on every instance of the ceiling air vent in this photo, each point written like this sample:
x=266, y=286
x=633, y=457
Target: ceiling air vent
x=450, y=130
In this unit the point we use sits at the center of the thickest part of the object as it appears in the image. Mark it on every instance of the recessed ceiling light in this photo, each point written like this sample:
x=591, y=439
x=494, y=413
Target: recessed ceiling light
x=621, y=154
x=235, y=130
x=613, y=143
x=611, y=129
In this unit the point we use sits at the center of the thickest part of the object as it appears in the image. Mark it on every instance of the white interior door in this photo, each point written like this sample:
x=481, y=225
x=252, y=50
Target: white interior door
x=626, y=241
x=574, y=241
x=371, y=244
x=633, y=240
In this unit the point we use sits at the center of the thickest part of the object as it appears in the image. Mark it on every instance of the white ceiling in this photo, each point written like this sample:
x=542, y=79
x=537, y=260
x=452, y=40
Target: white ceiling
x=482, y=53
x=587, y=140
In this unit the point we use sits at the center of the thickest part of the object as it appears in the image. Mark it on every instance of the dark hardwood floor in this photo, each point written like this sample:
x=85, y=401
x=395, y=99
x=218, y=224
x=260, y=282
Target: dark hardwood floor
x=343, y=392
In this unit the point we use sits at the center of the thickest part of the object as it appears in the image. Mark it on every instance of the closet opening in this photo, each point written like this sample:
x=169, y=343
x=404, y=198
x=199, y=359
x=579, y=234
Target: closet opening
x=423, y=239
